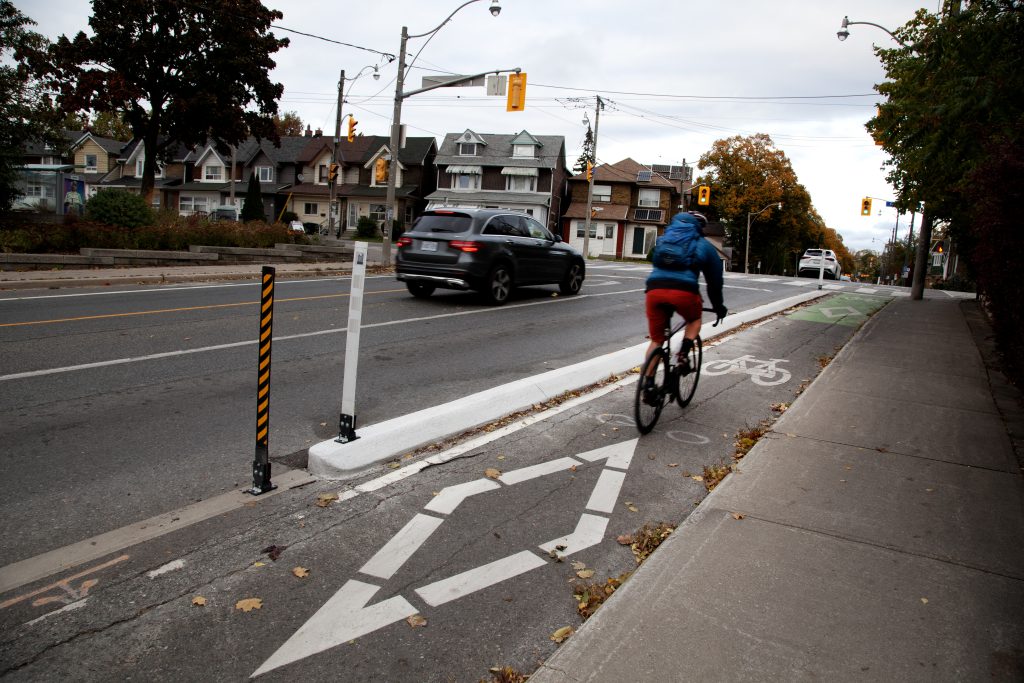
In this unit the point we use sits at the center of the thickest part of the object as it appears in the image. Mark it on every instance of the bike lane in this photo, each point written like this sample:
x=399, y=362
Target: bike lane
x=469, y=564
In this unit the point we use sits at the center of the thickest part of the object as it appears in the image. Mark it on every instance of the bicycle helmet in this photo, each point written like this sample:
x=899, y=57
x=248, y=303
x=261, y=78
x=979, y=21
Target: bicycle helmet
x=701, y=219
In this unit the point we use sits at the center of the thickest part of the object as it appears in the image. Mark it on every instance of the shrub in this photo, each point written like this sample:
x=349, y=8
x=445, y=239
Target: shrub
x=121, y=208
x=289, y=216
x=367, y=227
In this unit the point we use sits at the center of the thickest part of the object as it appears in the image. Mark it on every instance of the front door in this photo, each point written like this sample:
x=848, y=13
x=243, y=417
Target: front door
x=610, y=231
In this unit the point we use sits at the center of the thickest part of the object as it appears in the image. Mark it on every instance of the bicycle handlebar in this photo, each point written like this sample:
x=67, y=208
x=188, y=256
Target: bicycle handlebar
x=717, y=319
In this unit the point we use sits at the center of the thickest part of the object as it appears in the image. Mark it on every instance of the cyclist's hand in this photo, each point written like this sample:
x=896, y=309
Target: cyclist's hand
x=720, y=312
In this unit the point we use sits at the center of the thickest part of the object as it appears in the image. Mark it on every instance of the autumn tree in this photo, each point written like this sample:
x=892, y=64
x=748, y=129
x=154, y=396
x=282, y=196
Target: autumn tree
x=747, y=174
x=26, y=113
x=288, y=124
x=179, y=72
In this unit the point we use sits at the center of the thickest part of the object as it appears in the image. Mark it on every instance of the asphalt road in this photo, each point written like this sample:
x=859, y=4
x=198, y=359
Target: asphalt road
x=121, y=405
x=466, y=550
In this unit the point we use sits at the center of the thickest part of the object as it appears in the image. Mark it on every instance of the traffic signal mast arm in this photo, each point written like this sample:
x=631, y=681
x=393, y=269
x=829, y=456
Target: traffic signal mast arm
x=458, y=81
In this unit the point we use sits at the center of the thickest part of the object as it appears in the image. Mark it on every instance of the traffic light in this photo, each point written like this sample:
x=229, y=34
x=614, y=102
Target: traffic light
x=704, y=195
x=865, y=206
x=380, y=170
x=352, y=127
x=332, y=174
x=516, y=92
x=590, y=171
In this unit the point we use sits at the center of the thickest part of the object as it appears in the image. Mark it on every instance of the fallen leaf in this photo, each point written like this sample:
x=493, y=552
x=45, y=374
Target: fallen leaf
x=249, y=604
x=325, y=499
x=501, y=457
x=562, y=633
x=274, y=551
x=632, y=508
x=301, y=572
x=417, y=620
x=573, y=468
x=585, y=573
x=199, y=601
x=492, y=473
x=323, y=424
x=924, y=601
x=673, y=464
x=577, y=565
x=394, y=465
x=696, y=477
x=259, y=564
x=737, y=515
x=625, y=539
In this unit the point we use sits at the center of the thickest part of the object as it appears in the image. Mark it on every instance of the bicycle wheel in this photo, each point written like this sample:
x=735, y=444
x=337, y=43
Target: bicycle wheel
x=689, y=374
x=650, y=396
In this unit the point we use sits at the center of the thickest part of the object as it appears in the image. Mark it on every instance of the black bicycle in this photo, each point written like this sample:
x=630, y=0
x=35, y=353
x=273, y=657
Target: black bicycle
x=662, y=380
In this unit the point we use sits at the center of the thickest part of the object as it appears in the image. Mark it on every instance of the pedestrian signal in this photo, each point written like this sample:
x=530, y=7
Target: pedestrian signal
x=704, y=195
x=865, y=206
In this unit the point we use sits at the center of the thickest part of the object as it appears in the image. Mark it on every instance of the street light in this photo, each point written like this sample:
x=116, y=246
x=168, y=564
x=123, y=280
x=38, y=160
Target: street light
x=746, y=256
x=337, y=135
x=843, y=34
x=396, y=124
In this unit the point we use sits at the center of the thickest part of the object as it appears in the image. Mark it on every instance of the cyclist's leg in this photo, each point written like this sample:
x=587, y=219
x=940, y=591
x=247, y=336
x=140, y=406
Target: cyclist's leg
x=690, y=306
x=657, y=318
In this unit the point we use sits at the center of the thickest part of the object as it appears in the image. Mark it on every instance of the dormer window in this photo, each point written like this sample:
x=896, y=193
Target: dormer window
x=140, y=168
x=90, y=163
x=265, y=174
x=467, y=149
x=213, y=172
x=522, y=151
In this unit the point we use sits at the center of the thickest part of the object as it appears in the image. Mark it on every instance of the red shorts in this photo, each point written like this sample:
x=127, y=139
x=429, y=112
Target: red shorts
x=687, y=304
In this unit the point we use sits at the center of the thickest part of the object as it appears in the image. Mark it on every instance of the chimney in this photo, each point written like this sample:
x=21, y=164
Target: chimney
x=319, y=132
x=309, y=132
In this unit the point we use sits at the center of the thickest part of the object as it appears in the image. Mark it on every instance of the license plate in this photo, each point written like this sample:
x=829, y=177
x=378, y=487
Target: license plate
x=429, y=246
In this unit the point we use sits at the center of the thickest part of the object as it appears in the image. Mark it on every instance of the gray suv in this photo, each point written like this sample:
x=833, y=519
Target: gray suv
x=486, y=250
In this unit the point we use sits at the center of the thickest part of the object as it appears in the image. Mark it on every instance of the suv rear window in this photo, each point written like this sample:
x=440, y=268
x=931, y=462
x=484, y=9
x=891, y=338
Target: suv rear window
x=455, y=223
x=812, y=252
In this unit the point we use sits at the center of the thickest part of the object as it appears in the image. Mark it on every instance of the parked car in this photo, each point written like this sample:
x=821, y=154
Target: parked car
x=487, y=250
x=810, y=264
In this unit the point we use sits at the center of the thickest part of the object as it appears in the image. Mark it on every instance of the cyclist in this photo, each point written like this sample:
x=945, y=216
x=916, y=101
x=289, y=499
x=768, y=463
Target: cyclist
x=679, y=256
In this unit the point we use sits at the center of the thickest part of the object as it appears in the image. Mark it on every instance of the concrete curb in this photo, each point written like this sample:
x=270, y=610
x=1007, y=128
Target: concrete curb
x=385, y=440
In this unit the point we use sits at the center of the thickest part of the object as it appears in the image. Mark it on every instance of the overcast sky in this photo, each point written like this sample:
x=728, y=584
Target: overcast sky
x=676, y=75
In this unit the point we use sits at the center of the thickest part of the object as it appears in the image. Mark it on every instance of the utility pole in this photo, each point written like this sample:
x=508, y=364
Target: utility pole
x=920, y=261
x=590, y=185
x=333, y=183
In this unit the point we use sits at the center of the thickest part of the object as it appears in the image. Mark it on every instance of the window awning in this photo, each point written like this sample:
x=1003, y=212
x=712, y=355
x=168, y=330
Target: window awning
x=471, y=170
x=518, y=170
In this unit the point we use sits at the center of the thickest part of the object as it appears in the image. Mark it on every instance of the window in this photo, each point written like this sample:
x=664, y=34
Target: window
x=192, y=204
x=321, y=173
x=649, y=198
x=581, y=226
x=34, y=191
x=378, y=212
x=90, y=162
x=140, y=165
x=265, y=174
x=467, y=149
x=506, y=225
x=465, y=181
x=311, y=209
x=522, y=151
x=213, y=172
x=536, y=230
x=602, y=193
x=520, y=183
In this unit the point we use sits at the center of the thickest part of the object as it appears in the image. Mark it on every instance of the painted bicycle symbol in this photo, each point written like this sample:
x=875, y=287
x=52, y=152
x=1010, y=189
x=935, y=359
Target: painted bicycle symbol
x=767, y=373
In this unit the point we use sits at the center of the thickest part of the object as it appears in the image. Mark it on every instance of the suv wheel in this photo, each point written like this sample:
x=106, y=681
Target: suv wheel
x=499, y=285
x=573, y=279
x=419, y=289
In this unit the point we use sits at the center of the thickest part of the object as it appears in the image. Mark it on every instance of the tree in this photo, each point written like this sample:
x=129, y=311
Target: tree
x=953, y=125
x=587, y=154
x=26, y=112
x=178, y=72
x=288, y=123
x=109, y=124
x=252, y=207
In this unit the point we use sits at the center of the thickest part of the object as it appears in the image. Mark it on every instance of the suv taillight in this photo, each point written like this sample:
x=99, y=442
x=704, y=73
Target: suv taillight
x=403, y=242
x=465, y=245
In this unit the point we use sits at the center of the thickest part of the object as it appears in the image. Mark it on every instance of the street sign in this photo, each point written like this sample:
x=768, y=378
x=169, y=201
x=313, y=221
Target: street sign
x=496, y=85
x=442, y=81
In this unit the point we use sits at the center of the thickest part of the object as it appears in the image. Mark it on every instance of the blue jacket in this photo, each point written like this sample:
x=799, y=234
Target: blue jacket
x=683, y=230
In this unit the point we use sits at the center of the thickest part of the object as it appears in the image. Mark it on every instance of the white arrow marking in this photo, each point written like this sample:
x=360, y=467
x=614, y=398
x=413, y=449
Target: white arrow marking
x=480, y=577
x=344, y=617
x=400, y=548
x=839, y=311
x=589, y=531
x=535, y=471
x=606, y=491
x=450, y=497
x=619, y=454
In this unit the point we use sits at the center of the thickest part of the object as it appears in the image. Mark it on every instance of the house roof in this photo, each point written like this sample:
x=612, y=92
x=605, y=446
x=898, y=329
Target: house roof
x=109, y=145
x=626, y=171
x=498, y=151
x=608, y=212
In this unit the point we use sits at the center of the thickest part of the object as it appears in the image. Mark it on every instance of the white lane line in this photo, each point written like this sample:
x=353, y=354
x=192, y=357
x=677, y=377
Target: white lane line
x=606, y=491
x=797, y=283
x=589, y=531
x=619, y=454
x=169, y=567
x=866, y=290
x=66, y=608
x=834, y=287
x=342, y=618
x=764, y=279
x=478, y=578
x=252, y=342
x=450, y=497
x=749, y=289
x=535, y=471
x=401, y=546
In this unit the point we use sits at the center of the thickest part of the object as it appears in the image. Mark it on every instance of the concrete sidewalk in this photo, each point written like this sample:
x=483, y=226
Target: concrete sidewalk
x=876, y=534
